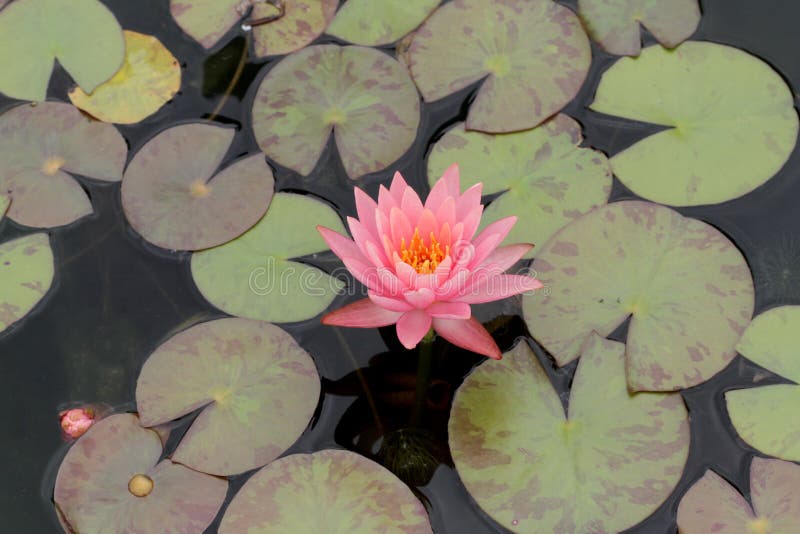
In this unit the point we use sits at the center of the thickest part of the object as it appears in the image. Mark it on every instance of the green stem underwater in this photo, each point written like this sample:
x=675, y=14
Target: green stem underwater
x=424, y=362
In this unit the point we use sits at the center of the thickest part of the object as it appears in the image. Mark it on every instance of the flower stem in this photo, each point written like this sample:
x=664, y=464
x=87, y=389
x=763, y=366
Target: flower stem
x=423, y=376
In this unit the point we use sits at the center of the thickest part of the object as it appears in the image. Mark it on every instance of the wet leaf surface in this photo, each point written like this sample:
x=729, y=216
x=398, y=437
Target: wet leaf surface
x=26, y=274
x=374, y=23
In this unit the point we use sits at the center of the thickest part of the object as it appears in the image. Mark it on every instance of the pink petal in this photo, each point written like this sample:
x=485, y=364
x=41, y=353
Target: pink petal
x=491, y=288
x=446, y=214
x=363, y=238
x=470, y=200
x=471, y=221
x=427, y=224
x=490, y=238
x=420, y=298
x=366, y=209
x=361, y=314
x=447, y=186
x=340, y=245
x=398, y=187
x=401, y=228
x=468, y=334
x=390, y=303
x=406, y=274
x=449, y=310
x=412, y=327
x=411, y=205
x=386, y=201
x=503, y=258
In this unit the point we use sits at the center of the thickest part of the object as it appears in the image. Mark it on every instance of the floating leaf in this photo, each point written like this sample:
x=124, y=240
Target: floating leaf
x=4, y=203
x=169, y=198
x=772, y=340
x=150, y=76
x=544, y=177
x=38, y=143
x=687, y=287
x=207, y=21
x=374, y=23
x=253, y=276
x=26, y=274
x=730, y=117
x=533, y=53
x=363, y=96
x=604, y=468
x=82, y=35
x=327, y=491
x=116, y=458
x=257, y=387
x=713, y=505
x=614, y=24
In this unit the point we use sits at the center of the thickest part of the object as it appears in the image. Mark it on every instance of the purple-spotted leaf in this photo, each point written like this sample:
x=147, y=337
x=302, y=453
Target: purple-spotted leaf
x=26, y=274
x=111, y=481
x=686, y=285
x=615, y=24
x=363, y=96
x=327, y=491
x=257, y=389
x=39, y=145
x=533, y=54
x=603, y=468
x=171, y=199
x=374, y=23
x=543, y=176
x=713, y=505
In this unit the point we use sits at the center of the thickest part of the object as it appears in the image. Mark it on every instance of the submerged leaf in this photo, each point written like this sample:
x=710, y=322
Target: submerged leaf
x=26, y=274
x=363, y=96
x=83, y=35
x=730, y=117
x=379, y=22
x=686, y=285
x=533, y=54
x=608, y=465
x=327, y=491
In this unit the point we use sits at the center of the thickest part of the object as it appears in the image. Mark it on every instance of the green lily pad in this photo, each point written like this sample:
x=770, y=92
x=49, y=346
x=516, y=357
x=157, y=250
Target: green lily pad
x=327, y=491
x=766, y=417
x=98, y=477
x=607, y=466
x=5, y=201
x=533, y=54
x=686, y=285
x=713, y=505
x=254, y=275
x=83, y=35
x=207, y=21
x=375, y=23
x=170, y=198
x=257, y=387
x=545, y=178
x=26, y=274
x=614, y=24
x=731, y=118
x=38, y=143
x=363, y=96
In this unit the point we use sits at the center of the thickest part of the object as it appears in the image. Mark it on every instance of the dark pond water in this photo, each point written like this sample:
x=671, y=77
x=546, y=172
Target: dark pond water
x=117, y=298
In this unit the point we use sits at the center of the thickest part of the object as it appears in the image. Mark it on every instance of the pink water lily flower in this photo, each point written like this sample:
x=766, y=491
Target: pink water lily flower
x=423, y=265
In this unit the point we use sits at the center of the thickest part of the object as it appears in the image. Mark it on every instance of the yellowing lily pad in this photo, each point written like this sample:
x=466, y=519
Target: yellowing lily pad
x=83, y=35
x=731, y=118
x=614, y=24
x=603, y=468
x=379, y=22
x=543, y=175
x=5, y=201
x=26, y=274
x=327, y=491
x=150, y=76
x=713, y=505
x=686, y=285
x=363, y=96
x=258, y=390
x=254, y=275
x=533, y=54
x=170, y=198
x=38, y=143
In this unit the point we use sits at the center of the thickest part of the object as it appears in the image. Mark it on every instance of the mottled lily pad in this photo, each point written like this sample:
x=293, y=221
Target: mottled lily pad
x=170, y=198
x=257, y=387
x=533, y=54
x=38, y=143
x=363, y=96
x=111, y=481
x=766, y=417
x=544, y=177
x=379, y=22
x=83, y=35
x=254, y=275
x=614, y=24
x=327, y=491
x=730, y=117
x=207, y=21
x=150, y=76
x=686, y=285
x=26, y=274
x=713, y=505
x=604, y=468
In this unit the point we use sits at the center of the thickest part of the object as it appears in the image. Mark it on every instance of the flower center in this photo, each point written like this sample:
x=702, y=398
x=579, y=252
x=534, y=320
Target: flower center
x=423, y=258
x=52, y=165
x=140, y=485
x=759, y=526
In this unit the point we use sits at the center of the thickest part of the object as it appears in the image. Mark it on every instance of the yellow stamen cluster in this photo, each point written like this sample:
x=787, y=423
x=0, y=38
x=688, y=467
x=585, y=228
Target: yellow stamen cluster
x=423, y=258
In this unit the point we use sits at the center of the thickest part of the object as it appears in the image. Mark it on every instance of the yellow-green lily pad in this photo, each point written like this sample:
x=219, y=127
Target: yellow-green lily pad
x=26, y=274
x=379, y=22
x=604, y=467
x=730, y=117
x=5, y=201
